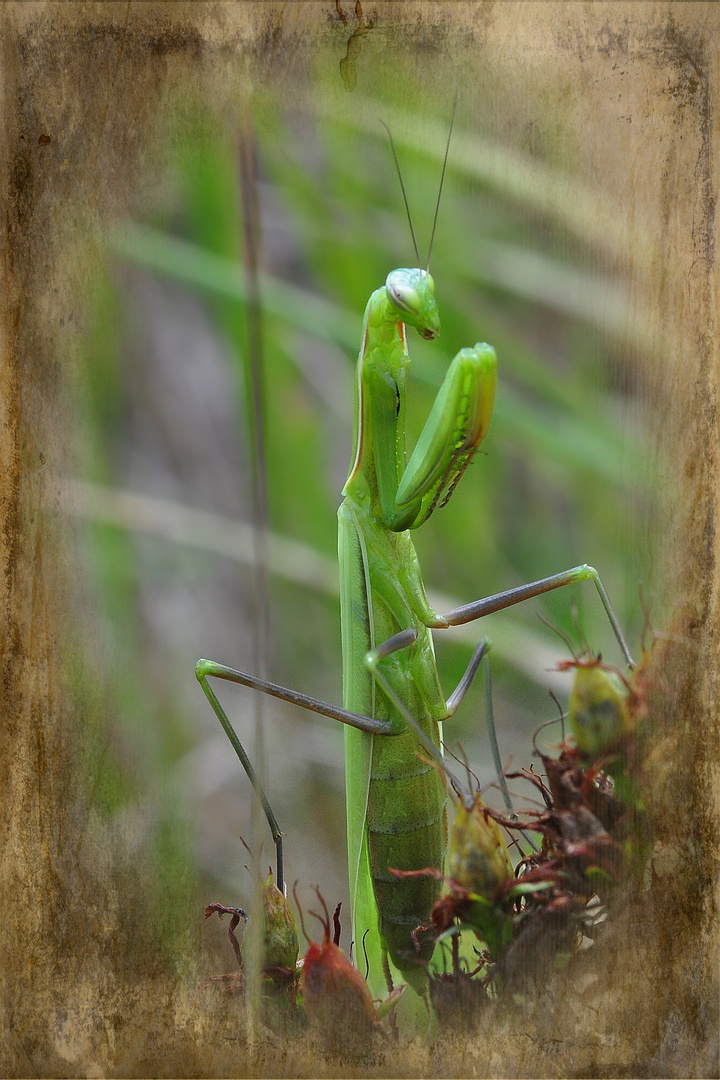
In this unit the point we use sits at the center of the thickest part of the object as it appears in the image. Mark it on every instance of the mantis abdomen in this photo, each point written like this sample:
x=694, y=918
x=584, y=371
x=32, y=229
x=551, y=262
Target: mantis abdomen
x=398, y=799
x=407, y=829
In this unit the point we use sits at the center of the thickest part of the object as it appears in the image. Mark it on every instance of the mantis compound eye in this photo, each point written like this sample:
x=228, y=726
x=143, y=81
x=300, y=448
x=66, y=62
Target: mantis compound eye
x=412, y=292
x=403, y=296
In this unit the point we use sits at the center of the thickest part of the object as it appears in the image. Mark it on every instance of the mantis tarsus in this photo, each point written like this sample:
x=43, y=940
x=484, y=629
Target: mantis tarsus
x=392, y=698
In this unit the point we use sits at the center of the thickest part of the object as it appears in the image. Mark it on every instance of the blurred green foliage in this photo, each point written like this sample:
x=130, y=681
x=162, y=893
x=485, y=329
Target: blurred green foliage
x=561, y=482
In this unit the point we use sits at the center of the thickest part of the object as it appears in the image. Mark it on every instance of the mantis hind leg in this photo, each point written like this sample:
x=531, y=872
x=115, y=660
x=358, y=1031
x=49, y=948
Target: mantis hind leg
x=476, y=609
x=499, y=601
x=202, y=672
x=466, y=613
x=206, y=669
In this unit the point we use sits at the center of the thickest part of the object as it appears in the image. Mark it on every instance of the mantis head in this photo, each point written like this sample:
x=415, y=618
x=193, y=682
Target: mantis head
x=412, y=292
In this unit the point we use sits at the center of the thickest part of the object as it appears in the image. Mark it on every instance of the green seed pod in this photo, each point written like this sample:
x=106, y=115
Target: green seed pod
x=598, y=710
x=280, y=941
x=478, y=857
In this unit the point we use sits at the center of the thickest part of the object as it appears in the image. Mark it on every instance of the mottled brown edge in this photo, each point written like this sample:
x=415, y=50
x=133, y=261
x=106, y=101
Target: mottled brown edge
x=54, y=949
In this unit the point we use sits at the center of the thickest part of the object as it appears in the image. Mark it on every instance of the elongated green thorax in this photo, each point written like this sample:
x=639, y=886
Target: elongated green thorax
x=396, y=801
x=379, y=454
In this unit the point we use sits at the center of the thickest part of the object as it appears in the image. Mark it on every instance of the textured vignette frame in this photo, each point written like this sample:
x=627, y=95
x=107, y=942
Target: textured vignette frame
x=90, y=76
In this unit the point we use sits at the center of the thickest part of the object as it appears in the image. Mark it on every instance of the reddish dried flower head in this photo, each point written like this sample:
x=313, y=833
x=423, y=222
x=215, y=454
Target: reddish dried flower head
x=337, y=999
x=334, y=991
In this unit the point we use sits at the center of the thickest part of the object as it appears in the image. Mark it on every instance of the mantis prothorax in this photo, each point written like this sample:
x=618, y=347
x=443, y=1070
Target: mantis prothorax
x=393, y=702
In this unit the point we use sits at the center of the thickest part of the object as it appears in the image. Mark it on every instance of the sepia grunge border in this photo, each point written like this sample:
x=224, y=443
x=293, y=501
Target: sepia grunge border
x=80, y=85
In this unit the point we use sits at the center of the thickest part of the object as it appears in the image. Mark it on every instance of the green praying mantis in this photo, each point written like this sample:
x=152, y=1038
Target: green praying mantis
x=393, y=701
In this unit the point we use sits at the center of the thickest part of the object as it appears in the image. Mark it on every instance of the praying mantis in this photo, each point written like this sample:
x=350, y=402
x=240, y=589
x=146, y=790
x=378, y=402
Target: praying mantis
x=393, y=702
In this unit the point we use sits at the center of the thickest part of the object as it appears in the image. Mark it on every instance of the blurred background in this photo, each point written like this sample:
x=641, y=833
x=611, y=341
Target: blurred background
x=533, y=253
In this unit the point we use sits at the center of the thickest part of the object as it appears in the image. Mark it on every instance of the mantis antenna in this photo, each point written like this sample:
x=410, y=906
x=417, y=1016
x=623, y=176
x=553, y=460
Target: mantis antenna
x=442, y=180
x=402, y=188
x=404, y=193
